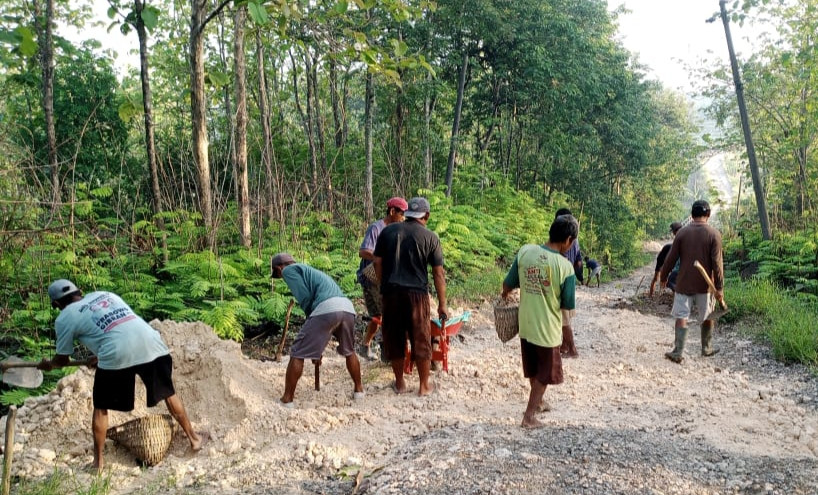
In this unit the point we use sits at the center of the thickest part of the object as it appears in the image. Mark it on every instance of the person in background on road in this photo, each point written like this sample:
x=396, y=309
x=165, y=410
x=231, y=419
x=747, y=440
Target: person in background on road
x=372, y=291
x=594, y=269
x=328, y=313
x=124, y=345
x=700, y=242
x=547, y=284
x=660, y=260
x=402, y=256
x=574, y=255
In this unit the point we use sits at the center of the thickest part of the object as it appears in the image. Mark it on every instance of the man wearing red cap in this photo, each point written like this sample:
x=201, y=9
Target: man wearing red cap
x=371, y=289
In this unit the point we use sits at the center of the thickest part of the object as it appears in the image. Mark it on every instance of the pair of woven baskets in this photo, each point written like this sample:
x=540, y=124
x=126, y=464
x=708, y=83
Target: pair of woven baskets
x=506, y=321
x=147, y=437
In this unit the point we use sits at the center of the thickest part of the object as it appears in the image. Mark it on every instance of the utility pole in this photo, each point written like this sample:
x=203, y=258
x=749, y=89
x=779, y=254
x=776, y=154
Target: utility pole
x=758, y=187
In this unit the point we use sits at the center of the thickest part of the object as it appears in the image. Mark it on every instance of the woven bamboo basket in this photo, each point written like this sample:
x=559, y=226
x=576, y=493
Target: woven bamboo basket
x=369, y=274
x=147, y=437
x=506, y=322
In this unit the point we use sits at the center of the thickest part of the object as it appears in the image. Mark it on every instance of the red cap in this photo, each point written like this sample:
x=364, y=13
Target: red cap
x=397, y=202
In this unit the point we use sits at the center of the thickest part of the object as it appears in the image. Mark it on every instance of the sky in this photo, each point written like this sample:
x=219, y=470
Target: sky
x=666, y=35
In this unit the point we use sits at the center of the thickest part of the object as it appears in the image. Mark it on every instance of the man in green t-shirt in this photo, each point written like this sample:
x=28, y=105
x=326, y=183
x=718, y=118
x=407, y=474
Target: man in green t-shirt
x=547, y=284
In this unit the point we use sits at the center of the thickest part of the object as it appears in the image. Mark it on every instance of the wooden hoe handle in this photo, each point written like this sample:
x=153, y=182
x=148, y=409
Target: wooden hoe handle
x=709, y=282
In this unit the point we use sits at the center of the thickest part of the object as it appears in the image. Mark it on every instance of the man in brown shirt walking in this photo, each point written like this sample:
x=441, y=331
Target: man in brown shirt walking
x=700, y=242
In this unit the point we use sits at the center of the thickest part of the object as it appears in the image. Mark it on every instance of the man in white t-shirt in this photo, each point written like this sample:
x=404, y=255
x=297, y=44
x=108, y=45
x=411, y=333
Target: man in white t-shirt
x=124, y=345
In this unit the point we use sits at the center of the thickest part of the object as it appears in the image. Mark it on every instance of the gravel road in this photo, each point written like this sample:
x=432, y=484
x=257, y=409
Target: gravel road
x=626, y=420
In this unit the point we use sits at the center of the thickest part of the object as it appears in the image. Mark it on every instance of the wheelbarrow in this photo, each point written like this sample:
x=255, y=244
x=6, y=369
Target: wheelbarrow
x=441, y=332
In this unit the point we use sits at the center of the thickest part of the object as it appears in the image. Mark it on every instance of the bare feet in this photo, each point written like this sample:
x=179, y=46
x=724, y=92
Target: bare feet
x=427, y=390
x=399, y=390
x=531, y=423
x=95, y=467
x=570, y=354
x=198, y=441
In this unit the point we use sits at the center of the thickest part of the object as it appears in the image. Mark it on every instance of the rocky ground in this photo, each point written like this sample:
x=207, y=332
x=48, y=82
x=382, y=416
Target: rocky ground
x=626, y=420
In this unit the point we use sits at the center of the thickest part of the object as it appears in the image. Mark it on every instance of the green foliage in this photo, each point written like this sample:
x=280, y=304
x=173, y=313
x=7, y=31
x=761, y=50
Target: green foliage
x=65, y=483
x=790, y=325
x=789, y=261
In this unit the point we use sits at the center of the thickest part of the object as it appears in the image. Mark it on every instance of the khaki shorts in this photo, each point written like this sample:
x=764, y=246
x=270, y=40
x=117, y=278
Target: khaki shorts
x=683, y=305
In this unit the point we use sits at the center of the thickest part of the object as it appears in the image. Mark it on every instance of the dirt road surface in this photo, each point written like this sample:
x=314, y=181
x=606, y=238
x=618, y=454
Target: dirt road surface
x=625, y=421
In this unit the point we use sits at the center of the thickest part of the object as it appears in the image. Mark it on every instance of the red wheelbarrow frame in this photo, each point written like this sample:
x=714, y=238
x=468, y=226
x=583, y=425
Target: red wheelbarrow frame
x=441, y=333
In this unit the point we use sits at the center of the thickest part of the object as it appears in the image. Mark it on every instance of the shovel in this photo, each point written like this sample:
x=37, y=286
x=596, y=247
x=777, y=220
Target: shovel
x=19, y=373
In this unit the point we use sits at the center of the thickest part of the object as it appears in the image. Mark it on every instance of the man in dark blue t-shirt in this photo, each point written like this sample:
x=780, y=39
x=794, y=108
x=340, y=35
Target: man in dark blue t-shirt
x=660, y=260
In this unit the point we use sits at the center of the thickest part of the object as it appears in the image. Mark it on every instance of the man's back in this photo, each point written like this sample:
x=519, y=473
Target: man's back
x=310, y=286
x=696, y=242
x=110, y=329
x=406, y=249
x=547, y=283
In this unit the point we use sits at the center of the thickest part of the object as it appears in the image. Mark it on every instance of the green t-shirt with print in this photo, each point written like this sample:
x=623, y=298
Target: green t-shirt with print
x=547, y=284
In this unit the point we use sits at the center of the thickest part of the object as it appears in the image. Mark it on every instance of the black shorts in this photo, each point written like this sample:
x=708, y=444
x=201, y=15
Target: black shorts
x=114, y=389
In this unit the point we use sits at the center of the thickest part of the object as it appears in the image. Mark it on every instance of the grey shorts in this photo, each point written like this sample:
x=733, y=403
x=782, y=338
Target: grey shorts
x=316, y=332
x=683, y=305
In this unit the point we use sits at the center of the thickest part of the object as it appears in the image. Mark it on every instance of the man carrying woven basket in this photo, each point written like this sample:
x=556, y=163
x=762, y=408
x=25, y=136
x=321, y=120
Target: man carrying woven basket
x=366, y=270
x=547, y=284
x=124, y=345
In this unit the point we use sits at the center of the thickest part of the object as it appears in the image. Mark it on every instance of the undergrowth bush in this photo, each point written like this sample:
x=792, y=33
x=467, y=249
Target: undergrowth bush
x=789, y=324
x=158, y=266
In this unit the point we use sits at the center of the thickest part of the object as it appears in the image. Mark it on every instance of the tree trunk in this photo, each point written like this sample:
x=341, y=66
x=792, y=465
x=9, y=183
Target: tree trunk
x=428, y=109
x=198, y=110
x=318, y=124
x=44, y=26
x=369, y=107
x=461, y=85
x=337, y=112
x=147, y=108
x=306, y=120
x=267, y=134
x=397, y=128
x=240, y=140
x=228, y=106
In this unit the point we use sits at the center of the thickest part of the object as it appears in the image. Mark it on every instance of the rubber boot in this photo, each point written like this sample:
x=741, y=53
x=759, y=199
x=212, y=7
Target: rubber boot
x=707, y=339
x=679, y=346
